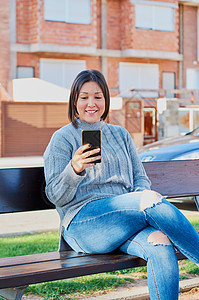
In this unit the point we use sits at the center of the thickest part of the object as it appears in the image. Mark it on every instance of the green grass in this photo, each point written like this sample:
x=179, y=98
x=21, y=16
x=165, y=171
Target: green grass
x=29, y=244
x=189, y=267
x=82, y=285
x=195, y=222
x=87, y=285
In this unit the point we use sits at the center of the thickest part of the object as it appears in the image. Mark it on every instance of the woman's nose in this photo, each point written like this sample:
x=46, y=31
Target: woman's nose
x=91, y=101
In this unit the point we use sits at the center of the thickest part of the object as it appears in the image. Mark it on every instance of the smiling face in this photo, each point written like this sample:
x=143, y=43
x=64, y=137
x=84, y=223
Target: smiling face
x=91, y=102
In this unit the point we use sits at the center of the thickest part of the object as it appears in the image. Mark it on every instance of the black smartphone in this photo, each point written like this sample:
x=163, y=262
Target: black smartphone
x=92, y=137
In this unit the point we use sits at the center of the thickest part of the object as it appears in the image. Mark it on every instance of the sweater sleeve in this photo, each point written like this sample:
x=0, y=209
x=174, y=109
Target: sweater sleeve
x=61, y=180
x=140, y=178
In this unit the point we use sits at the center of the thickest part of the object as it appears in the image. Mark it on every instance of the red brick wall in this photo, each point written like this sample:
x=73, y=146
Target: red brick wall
x=36, y=19
x=93, y=62
x=121, y=30
x=127, y=14
x=189, y=39
x=146, y=39
x=32, y=60
x=4, y=43
x=23, y=21
x=113, y=70
x=98, y=27
x=121, y=34
x=169, y=66
x=28, y=60
x=113, y=24
x=32, y=28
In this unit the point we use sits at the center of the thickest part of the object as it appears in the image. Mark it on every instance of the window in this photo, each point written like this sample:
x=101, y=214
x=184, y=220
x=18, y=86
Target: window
x=192, y=79
x=70, y=11
x=188, y=119
x=150, y=125
x=61, y=72
x=168, y=83
x=154, y=17
x=138, y=76
x=25, y=72
x=196, y=118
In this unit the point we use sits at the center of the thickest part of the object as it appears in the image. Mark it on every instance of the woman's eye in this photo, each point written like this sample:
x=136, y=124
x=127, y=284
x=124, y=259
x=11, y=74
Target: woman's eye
x=98, y=98
x=83, y=98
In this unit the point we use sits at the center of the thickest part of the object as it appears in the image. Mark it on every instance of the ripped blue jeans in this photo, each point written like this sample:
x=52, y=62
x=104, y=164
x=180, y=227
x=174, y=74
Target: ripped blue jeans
x=144, y=224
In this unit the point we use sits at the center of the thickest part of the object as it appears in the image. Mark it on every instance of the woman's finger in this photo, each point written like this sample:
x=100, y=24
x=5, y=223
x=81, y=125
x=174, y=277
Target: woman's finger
x=82, y=160
x=83, y=148
x=90, y=152
x=91, y=159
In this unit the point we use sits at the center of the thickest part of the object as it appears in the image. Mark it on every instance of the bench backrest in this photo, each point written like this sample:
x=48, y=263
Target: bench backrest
x=22, y=189
x=174, y=178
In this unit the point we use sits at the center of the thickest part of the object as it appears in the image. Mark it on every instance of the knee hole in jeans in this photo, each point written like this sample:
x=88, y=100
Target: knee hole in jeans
x=158, y=238
x=149, y=199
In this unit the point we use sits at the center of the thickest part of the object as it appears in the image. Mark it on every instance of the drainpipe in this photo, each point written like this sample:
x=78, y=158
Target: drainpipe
x=198, y=33
x=13, y=54
x=180, y=82
x=103, y=37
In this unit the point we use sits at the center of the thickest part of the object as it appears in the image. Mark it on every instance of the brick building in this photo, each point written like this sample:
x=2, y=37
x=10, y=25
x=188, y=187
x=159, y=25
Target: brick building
x=141, y=44
x=137, y=44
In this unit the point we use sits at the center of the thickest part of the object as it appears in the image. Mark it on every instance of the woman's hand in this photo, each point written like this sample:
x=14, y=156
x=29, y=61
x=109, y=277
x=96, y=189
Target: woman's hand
x=82, y=160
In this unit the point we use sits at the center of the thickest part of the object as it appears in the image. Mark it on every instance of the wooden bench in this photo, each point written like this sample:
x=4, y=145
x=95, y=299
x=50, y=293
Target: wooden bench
x=22, y=189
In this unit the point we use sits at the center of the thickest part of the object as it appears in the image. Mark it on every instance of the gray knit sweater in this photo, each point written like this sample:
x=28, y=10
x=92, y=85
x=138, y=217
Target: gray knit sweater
x=119, y=172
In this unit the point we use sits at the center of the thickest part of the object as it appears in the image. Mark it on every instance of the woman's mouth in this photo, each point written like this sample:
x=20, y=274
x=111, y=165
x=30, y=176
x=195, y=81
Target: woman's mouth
x=91, y=111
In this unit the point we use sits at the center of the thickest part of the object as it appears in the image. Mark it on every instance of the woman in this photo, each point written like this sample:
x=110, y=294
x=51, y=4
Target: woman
x=109, y=205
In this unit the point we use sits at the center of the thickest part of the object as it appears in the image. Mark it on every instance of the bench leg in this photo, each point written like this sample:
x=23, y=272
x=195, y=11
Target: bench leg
x=13, y=293
x=196, y=198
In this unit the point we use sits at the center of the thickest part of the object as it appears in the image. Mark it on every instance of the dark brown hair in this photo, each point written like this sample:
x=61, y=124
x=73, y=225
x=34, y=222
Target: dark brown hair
x=83, y=77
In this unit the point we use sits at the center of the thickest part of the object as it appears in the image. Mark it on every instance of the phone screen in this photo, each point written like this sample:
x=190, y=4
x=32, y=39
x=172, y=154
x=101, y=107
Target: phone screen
x=92, y=137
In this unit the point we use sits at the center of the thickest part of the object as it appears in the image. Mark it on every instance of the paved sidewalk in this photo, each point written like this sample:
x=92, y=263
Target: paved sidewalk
x=21, y=161
x=29, y=222
x=142, y=293
x=40, y=221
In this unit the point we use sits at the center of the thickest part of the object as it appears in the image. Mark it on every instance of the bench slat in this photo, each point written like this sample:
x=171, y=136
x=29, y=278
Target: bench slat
x=34, y=258
x=66, y=267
